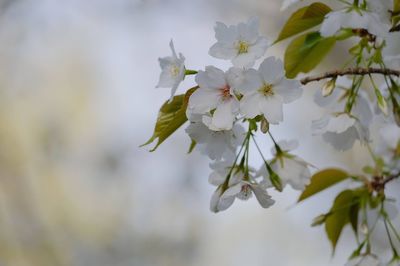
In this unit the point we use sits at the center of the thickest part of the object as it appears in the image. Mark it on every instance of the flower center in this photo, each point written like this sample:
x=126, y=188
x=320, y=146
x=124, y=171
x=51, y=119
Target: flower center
x=267, y=90
x=245, y=192
x=225, y=92
x=174, y=71
x=242, y=47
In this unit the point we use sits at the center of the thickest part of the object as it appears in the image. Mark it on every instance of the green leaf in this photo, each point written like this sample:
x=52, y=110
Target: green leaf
x=305, y=52
x=323, y=180
x=339, y=217
x=171, y=116
x=353, y=216
x=304, y=19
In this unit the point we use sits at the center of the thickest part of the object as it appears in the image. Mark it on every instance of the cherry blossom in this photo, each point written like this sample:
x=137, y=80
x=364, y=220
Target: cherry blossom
x=266, y=90
x=215, y=94
x=172, y=71
x=240, y=43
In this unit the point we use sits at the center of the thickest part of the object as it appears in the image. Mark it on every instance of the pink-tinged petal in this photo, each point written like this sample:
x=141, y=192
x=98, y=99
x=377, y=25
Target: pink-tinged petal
x=262, y=196
x=212, y=78
x=249, y=105
x=203, y=100
x=290, y=90
x=271, y=69
x=272, y=108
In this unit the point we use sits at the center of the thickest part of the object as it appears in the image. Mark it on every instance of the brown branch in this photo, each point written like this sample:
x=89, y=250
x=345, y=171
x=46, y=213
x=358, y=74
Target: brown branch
x=351, y=71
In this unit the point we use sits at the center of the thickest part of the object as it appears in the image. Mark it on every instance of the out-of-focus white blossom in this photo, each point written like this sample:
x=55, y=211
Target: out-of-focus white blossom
x=266, y=90
x=238, y=186
x=216, y=144
x=172, y=71
x=388, y=146
x=353, y=19
x=341, y=129
x=240, y=43
x=215, y=94
x=291, y=169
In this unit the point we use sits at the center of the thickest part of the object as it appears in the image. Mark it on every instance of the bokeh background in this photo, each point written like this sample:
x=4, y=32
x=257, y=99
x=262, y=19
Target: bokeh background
x=78, y=97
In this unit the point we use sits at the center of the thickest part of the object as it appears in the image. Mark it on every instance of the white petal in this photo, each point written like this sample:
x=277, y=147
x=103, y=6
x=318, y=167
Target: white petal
x=245, y=60
x=262, y=196
x=342, y=141
x=259, y=47
x=272, y=108
x=212, y=78
x=290, y=90
x=271, y=70
x=340, y=123
x=203, y=100
x=225, y=34
x=223, y=51
x=224, y=115
x=249, y=105
x=249, y=31
x=331, y=24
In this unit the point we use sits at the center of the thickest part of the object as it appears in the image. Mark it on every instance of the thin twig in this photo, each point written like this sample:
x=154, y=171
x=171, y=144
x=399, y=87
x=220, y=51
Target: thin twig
x=352, y=71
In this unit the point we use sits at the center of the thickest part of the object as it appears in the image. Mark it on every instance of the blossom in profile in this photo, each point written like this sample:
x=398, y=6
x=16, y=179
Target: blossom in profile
x=290, y=168
x=172, y=71
x=242, y=43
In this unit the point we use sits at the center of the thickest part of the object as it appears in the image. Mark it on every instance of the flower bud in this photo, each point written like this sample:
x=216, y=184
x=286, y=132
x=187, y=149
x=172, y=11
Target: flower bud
x=264, y=125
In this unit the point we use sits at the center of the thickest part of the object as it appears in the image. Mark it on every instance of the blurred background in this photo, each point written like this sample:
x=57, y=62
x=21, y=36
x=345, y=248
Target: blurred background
x=78, y=97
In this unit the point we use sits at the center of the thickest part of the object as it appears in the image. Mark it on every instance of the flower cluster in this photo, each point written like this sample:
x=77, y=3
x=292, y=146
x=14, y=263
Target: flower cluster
x=225, y=100
x=229, y=109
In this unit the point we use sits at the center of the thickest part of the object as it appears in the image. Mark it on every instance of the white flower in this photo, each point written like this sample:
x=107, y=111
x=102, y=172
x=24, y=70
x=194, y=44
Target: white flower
x=172, y=71
x=241, y=43
x=266, y=90
x=291, y=169
x=353, y=19
x=288, y=3
x=216, y=144
x=215, y=93
x=340, y=129
x=237, y=187
x=372, y=216
x=367, y=260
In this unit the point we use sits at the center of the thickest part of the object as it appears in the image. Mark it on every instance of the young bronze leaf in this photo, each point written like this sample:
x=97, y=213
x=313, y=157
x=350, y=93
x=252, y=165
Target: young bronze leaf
x=171, y=116
x=339, y=217
x=304, y=19
x=305, y=52
x=323, y=180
